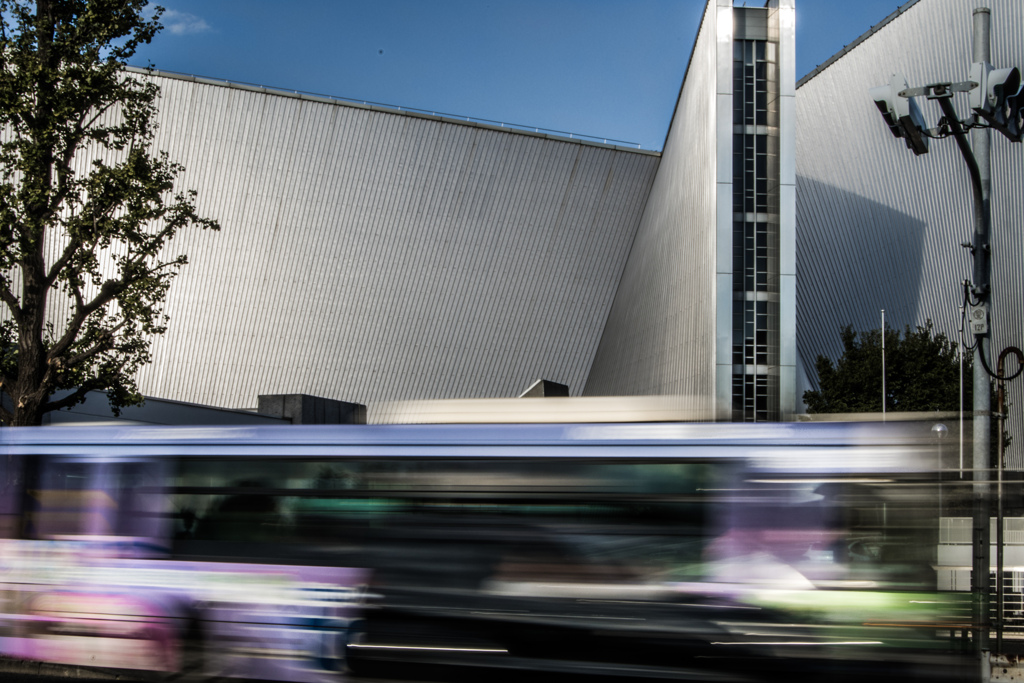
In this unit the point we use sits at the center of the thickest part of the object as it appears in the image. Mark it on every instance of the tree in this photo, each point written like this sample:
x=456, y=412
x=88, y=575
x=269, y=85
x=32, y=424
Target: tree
x=87, y=207
x=922, y=373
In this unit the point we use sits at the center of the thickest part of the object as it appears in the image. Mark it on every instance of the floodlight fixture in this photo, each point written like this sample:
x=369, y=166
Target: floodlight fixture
x=999, y=98
x=901, y=113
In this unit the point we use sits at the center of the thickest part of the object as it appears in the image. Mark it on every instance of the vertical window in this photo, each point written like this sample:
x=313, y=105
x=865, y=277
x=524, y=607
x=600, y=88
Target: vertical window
x=755, y=239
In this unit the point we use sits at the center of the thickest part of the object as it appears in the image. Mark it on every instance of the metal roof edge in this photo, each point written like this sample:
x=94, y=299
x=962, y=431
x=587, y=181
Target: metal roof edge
x=902, y=9
x=682, y=83
x=443, y=118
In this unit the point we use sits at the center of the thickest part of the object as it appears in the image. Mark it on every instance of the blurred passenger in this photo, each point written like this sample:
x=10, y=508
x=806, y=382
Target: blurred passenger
x=243, y=516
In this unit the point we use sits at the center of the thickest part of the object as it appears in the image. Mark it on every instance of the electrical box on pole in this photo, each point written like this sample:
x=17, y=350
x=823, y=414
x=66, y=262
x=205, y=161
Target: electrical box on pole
x=979, y=319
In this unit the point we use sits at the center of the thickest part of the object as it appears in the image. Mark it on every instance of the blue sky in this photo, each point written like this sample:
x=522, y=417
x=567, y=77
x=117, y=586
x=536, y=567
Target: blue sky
x=604, y=68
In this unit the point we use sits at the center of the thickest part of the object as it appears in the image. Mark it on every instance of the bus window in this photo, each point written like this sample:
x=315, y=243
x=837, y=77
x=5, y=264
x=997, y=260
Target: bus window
x=11, y=492
x=66, y=503
x=230, y=501
x=97, y=500
x=453, y=521
x=248, y=512
x=139, y=491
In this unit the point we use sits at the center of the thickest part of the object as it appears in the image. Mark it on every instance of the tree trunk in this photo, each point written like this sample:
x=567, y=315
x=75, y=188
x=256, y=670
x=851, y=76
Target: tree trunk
x=27, y=413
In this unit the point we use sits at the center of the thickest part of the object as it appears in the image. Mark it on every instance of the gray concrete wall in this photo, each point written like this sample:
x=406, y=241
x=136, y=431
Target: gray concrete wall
x=304, y=409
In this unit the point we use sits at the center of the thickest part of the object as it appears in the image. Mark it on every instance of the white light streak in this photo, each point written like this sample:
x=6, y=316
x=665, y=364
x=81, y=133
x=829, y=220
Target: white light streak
x=840, y=642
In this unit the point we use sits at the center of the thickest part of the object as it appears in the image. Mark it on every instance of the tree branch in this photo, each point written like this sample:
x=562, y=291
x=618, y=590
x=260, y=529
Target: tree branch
x=149, y=247
x=108, y=292
x=7, y=296
x=104, y=343
x=69, y=251
x=99, y=347
x=75, y=140
x=83, y=310
x=96, y=117
x=72, y=399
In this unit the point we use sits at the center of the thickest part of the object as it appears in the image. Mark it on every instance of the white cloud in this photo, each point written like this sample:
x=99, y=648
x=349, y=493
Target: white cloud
x=183, y=23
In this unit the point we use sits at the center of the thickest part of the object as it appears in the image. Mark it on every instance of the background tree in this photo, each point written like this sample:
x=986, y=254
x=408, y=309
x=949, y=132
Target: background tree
x=86, y=206
x=922, y=373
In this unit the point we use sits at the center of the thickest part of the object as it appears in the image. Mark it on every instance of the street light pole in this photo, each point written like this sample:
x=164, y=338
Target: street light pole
x=981, y=535
x=997, y=100
x=976, y=154
x=981, y=538
x=977, y=157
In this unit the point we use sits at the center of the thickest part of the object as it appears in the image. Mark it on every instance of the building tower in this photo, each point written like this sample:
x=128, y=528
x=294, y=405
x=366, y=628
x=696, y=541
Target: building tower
x=706, y=305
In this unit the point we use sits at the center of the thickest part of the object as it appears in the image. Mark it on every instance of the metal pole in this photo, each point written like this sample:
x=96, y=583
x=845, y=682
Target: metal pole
x=960, y=358
x=883, y=365
x=981, y=533
x=1000, y=588
x=940, y=430
x=980, y=143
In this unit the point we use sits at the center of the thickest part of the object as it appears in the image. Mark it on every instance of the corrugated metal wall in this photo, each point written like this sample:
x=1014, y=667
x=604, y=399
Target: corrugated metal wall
x=371, y=256
x=660, y=335
x=877, y=227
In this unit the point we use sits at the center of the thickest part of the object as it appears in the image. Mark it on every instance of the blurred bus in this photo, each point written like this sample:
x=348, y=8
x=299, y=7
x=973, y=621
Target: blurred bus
x=739, y=551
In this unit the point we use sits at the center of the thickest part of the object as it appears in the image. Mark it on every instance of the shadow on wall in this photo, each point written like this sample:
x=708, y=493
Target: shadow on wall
x=854, y=257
